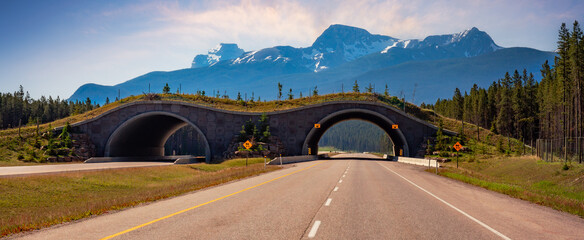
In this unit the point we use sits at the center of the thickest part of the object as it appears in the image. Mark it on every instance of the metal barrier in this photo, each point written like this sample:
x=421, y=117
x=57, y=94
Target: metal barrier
x=561, y=149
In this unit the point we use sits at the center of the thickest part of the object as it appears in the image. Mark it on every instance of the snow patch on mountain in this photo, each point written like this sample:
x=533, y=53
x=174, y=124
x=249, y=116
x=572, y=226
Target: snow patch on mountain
x=222, y=52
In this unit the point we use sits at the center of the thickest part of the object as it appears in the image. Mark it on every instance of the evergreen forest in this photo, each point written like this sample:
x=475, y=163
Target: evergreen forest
x=517, y=106
x=19, y=109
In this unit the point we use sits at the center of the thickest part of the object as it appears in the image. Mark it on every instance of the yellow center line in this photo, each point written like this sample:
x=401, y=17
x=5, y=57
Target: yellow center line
x=203, y=204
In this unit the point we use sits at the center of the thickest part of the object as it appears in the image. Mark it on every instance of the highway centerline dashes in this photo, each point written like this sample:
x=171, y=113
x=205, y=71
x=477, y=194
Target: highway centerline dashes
x=327, y=203
x=314, y=229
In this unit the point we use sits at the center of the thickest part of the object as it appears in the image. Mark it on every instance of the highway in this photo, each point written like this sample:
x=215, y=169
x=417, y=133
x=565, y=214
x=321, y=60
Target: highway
x=331, y=199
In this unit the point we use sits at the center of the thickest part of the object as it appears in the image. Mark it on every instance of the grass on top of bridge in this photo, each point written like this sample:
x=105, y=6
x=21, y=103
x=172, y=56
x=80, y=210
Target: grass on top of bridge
x=33, y=202
x=16, y=144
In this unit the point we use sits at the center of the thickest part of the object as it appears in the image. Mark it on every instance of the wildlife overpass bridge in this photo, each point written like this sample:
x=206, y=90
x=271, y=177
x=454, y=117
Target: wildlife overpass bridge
x=141, y=128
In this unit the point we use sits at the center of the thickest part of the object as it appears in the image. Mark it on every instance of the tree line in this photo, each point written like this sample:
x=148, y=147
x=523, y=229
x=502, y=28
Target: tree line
x=19, y=109
x=518, y=106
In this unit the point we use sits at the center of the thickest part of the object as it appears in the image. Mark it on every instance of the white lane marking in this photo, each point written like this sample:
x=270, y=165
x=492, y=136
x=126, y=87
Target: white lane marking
x=344, y=175
x=336, y=188
x=452, y=206
x=313, y=230
x=340, y=181
x=328, y=202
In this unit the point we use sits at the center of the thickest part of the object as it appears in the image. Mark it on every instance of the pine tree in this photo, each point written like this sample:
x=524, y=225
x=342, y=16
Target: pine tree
x=386, y=92
x=457, y=104
x=315, y=92
x=370, y=88
x=505, y=114
x=279, y=91
x=576, y=64
x=166, y=89
x=290, y=95
x=517, y=104
x=356, y=87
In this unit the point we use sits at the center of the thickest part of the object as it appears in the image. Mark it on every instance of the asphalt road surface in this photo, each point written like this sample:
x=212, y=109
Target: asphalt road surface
x=332, y=199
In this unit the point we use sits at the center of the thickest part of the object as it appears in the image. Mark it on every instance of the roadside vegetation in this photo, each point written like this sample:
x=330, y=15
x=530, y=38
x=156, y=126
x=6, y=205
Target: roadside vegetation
x=527, y=178
x=506, y=165
x=33, y=202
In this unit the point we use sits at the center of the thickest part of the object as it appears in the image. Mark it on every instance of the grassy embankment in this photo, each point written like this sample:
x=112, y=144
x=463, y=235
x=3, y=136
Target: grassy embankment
x=506, y=166
x=24, y=146
x=33, y=202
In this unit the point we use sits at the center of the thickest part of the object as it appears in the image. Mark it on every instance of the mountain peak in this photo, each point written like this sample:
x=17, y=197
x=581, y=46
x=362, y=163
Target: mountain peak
x=221, y=52
x=472, y=42
x=226, y=48
x=336, y=34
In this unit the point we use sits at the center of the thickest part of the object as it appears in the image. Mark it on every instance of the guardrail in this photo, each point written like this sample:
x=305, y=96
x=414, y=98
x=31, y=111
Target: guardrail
x=418, y=161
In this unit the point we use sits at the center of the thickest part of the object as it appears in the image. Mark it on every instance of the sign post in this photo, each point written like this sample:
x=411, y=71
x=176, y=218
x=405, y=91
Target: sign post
x=247, y=146
x=457, y=146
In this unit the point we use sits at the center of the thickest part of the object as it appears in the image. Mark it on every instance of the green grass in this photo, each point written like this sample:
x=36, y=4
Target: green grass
x=33, y=202
x=526, y=178
x=227, y=164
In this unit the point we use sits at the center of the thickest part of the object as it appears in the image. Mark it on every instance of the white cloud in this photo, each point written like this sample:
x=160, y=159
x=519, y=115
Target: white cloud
x=130, y=40
x=252, y=24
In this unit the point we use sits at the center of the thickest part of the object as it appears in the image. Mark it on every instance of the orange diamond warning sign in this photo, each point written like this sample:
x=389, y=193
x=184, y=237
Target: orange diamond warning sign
x=457, y=146
x=247, y=144
x=394, y=126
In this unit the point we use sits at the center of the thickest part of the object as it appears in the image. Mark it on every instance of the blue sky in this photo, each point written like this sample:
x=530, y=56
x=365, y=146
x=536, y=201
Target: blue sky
x=53, y=47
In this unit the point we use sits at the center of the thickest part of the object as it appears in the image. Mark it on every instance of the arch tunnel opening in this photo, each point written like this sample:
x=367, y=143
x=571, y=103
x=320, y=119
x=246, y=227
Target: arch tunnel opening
x=351, y=136
x=399, y=143
x=145, y=136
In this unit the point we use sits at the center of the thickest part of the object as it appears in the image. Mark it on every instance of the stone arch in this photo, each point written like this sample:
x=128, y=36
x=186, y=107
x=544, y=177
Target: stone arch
x=145, y=135
x=396, y=135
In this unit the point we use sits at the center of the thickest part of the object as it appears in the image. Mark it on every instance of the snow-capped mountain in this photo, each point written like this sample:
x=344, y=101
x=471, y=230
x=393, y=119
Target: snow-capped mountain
x=340, y=44
x=469, y=43
x=222, y=52
x=337, y=58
